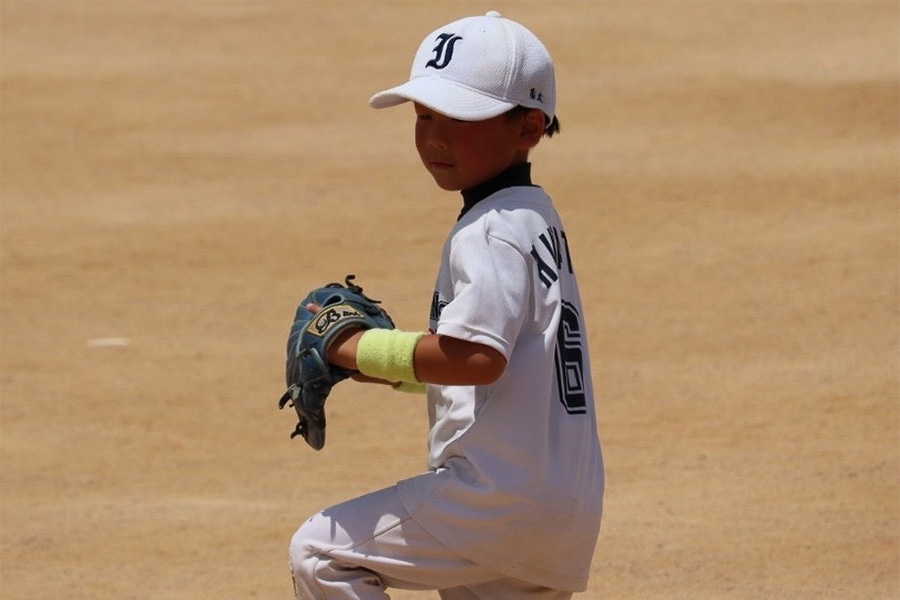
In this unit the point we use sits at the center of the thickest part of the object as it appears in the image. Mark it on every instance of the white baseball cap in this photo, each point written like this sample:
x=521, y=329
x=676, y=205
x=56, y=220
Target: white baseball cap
x=477, y=68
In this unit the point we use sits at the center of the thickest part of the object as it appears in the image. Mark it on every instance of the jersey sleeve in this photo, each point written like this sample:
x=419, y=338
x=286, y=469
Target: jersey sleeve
x=491, y=288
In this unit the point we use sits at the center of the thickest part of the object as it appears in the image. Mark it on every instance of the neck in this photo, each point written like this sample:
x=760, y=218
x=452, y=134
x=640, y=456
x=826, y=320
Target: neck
x=516, y=175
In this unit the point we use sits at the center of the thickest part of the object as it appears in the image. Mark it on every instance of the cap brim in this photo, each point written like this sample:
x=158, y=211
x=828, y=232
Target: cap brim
x=446, y=97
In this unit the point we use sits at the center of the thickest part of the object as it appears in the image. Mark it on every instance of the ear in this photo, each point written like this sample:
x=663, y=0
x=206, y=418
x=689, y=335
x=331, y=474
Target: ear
x=532, y=128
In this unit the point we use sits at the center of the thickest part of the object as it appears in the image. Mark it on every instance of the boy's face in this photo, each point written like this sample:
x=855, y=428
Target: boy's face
x=462, y=154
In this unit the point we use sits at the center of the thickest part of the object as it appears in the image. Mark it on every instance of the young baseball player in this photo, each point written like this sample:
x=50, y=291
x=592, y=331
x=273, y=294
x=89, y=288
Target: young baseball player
x=510, y=506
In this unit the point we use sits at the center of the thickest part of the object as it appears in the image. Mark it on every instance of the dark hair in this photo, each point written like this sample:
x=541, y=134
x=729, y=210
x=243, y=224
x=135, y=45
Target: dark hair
x=549, y=130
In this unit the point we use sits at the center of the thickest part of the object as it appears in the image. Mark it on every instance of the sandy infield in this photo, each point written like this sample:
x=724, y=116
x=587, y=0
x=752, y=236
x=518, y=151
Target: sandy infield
x=176, y=175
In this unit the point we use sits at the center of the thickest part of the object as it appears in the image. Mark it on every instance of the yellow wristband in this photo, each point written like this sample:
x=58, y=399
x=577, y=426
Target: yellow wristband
x=388, y=354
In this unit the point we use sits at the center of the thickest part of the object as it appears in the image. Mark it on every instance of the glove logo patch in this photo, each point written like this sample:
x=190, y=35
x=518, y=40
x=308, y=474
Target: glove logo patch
x=329, y=316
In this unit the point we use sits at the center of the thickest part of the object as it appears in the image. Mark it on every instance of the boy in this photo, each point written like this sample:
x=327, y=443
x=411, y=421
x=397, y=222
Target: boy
x=511, y=505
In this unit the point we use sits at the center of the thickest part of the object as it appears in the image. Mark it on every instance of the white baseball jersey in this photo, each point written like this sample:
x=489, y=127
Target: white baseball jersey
x=516, y=472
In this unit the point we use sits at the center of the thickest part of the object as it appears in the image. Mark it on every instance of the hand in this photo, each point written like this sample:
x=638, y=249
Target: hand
x=342, y=351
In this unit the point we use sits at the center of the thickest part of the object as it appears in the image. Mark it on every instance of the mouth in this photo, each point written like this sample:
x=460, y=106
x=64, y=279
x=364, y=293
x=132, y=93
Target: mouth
x=439, y=165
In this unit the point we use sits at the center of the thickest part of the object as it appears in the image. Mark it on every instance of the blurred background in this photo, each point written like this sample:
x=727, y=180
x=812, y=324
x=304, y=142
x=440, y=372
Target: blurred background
x=177, y=174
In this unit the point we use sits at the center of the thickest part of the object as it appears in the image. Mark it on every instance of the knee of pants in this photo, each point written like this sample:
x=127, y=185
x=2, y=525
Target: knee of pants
x=306, y=550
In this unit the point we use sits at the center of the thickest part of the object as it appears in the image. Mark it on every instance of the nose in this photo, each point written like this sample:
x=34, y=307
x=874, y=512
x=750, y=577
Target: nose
x=435, y=135
x=438, y=141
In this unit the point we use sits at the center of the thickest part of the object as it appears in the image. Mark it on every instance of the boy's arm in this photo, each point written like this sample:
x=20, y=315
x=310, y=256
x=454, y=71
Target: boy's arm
x=438, y=359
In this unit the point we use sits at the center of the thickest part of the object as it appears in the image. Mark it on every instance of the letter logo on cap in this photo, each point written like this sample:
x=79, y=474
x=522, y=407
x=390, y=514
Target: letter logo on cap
x=443, y=52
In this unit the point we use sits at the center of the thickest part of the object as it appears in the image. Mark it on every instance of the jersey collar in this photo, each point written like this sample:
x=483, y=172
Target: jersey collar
x=518, y=174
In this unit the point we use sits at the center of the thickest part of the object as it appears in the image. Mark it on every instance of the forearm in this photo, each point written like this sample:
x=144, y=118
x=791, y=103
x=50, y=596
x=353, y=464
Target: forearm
x=437, y=359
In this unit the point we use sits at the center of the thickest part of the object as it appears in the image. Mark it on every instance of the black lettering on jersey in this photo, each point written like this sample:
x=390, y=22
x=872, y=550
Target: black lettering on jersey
x=437, y=307
x=550, y=239
x=568, y=254
x=550, y=262
x=546, y=273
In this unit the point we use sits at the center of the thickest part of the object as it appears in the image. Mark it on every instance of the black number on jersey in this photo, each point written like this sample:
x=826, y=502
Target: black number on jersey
x=570, y=362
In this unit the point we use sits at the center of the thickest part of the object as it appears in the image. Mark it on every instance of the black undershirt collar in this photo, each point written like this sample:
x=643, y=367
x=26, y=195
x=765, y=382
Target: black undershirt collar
x=518, y=174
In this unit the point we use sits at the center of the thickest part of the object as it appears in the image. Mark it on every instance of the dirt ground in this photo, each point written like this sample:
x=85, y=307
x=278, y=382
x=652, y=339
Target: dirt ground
x=176, y=175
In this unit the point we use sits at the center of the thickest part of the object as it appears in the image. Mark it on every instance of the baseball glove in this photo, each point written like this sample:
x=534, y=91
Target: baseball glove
x=308, y=374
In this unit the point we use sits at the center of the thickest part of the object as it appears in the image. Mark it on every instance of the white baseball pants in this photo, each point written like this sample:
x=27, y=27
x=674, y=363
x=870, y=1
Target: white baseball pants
x=357, y=549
